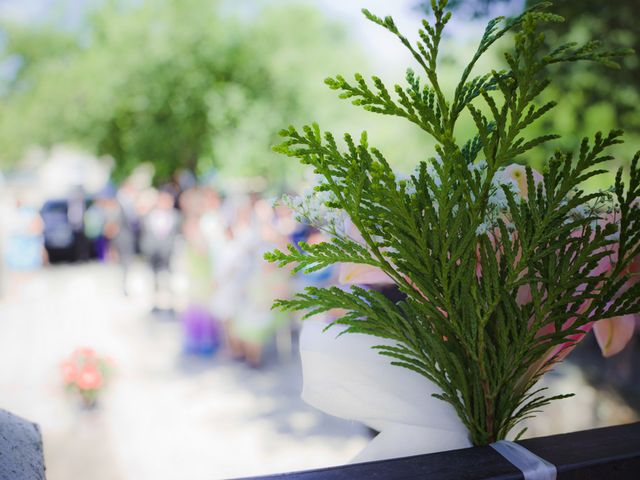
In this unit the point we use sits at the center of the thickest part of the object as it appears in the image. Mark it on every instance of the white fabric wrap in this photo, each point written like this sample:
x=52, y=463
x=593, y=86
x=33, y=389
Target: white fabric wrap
x=345, y=377
x=532, y=466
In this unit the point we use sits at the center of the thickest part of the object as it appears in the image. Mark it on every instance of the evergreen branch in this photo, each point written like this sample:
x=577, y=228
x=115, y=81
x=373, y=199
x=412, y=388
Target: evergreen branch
x=310, y=258
x=498, y=278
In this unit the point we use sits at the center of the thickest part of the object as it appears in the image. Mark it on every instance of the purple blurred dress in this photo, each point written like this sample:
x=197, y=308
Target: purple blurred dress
x=201, y=331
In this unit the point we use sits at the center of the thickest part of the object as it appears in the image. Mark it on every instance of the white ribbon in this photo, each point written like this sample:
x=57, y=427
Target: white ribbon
x=532, y=466
x=345, y=377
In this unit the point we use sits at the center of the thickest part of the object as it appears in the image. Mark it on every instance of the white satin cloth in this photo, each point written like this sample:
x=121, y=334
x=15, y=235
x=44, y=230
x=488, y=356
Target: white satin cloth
x=345, y=377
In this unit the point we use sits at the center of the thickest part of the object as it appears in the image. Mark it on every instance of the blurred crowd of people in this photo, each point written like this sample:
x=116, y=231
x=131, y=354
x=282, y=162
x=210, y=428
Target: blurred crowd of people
x=184, y=229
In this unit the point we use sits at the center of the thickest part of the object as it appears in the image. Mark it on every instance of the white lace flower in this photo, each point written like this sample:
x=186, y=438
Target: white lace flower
x=312, y=209
x=433, y=173
x=480, y=166
x=482, y=229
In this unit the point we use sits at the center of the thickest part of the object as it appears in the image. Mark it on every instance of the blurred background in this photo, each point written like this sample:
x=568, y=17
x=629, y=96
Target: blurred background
x=137, y=191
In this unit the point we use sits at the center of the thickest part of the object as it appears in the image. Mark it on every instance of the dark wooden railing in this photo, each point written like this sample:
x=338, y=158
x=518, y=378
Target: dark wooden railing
x=611, y=453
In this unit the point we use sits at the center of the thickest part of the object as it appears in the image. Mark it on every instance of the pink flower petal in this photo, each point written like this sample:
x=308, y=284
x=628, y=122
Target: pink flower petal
x=518, y=173
x=613, y=334
x=355, y=273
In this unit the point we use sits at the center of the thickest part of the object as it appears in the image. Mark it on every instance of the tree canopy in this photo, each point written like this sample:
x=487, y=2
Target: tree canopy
x=178, y=83
x=592, y=103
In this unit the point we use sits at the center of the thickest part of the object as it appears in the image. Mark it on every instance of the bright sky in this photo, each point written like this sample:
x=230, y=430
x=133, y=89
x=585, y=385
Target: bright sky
x=389, y=53
x=385, y=50
x=382, y=46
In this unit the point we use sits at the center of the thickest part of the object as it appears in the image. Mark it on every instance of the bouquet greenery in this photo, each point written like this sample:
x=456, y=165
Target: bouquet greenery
x=502, y=269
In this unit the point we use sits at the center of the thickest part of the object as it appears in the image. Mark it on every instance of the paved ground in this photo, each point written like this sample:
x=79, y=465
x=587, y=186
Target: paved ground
x=167, y=416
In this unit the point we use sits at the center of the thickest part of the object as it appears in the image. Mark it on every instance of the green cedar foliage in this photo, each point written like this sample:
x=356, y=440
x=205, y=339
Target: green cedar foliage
x=463, y=330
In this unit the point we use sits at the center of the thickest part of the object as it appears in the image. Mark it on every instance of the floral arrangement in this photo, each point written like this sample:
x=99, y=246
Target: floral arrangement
x=501, y=269
x=85, y=373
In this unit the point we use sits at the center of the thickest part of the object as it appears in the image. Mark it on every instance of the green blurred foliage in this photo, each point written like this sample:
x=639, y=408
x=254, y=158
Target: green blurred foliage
x=204, y=84
x=178, y=83
x=593, y=98
x=590, y=97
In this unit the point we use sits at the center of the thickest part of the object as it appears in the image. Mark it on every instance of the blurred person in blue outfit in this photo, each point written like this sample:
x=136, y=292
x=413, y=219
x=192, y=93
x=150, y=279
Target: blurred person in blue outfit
x=25, y=243
x=101, y=223
x=126, y=235
x=76, y=208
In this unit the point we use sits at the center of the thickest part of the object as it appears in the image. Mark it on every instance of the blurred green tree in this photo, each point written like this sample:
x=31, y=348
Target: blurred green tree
x=589, y=102
x=178, y=83
x=615, y=101
x=586, y=103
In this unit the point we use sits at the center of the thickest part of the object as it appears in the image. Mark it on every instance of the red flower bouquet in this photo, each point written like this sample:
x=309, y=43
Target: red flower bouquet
x=86, y=373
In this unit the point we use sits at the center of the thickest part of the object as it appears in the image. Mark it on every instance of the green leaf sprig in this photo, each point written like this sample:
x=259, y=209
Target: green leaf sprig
x=462, y=242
